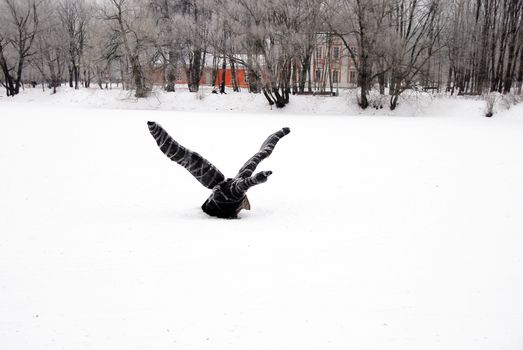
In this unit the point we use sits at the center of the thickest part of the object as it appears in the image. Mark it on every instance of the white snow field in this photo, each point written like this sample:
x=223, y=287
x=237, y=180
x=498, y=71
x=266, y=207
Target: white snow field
x=374, y=232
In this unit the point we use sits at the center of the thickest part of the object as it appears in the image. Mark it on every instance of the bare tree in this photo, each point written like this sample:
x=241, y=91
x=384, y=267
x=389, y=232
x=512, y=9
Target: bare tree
x=51, y=47
x=126, y=17
x=513, y=24
x=361, y=26
x=168, y=45
x=193, y=19
x=484, y=40
x=268, y=35
x=412, y=40
x=74, y=17
x=17, y=34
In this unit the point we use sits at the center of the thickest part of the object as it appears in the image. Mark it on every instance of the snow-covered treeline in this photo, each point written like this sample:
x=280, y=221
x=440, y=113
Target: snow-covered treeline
x=461, y=46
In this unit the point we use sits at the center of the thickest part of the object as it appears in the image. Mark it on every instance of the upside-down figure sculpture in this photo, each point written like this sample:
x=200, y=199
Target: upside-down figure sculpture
x=228, y=196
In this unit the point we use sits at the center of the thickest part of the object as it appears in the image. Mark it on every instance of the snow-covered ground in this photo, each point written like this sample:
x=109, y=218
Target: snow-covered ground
x=373, y=232
x=411, y=104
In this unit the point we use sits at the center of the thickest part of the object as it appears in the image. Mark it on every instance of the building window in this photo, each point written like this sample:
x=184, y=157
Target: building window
x=352, y=76
x=336, y=53
x=318, y=75
x=335, y=76
x=354, y=50
x=179, y=76
x=318, y=53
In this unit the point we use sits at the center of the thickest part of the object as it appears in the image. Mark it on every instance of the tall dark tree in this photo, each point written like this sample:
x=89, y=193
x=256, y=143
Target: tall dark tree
x=74, y=17
x=16, y=40
x=122, y=13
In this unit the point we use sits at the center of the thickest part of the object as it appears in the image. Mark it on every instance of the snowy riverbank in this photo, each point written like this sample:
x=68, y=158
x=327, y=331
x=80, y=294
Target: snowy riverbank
x=411, y=103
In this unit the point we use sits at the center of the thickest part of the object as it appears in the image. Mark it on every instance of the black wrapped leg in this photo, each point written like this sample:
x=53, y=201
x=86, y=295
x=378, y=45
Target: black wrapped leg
x=265, y=150
x=206, y=173
x=242, y=185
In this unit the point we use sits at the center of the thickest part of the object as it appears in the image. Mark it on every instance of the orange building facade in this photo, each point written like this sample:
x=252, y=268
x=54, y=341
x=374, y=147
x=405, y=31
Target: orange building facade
x=158, y=77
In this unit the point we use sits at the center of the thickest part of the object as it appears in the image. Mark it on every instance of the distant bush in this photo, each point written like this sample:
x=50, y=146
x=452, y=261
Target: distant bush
x=496, y=102
x=490, y=100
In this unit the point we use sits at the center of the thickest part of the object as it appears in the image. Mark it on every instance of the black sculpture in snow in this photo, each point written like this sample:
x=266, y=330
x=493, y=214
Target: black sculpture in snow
x=228, y=196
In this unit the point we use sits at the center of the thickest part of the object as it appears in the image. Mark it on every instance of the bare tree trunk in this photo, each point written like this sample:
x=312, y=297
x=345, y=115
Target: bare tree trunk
x=483, y=66
x=394, y=89
x=511, y=64
x=99, y=78
x=18, y=80
x=363, y=67
x=195, y=70
x=329, y=62
x=294, y=79
x=70, y=69
x=9, y=86
x=515, y=10
x=287, y=80
x=87, y=78
x=381, y=82
x=273, y=95
x=171, y=72
x=493, y=45
x=309, y=84
x=253, y=77
x=254, y=81
x=234, y=79
x=520, y=72
x=449, y=80
x=123, y=77
x=363, y=81
x=305, y=67
x=170, y=76
x=498, y=73
x=214, y=72
x=139, y=80
x=76, y=73
x=222, y=83
x=136, y=68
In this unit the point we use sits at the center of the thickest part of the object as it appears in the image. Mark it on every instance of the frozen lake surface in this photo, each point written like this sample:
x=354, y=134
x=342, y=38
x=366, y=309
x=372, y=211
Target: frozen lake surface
x=373, y=232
